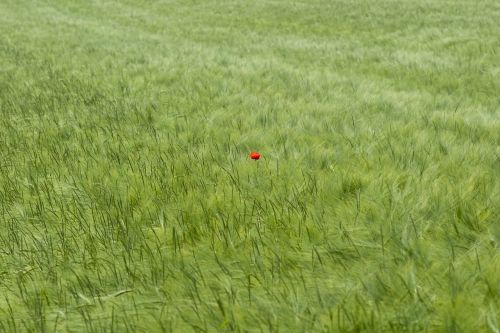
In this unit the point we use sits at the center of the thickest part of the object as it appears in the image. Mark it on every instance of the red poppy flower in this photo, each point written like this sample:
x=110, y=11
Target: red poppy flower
x=254, y=155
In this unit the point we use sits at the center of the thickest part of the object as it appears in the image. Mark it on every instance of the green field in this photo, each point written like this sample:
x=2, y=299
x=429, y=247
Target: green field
x=128, y=202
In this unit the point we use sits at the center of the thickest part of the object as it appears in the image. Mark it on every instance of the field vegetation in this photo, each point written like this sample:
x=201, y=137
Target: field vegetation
x=128, y=202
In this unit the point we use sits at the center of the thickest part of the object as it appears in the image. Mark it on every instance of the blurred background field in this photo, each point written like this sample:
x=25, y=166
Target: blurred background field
x=128, y=202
